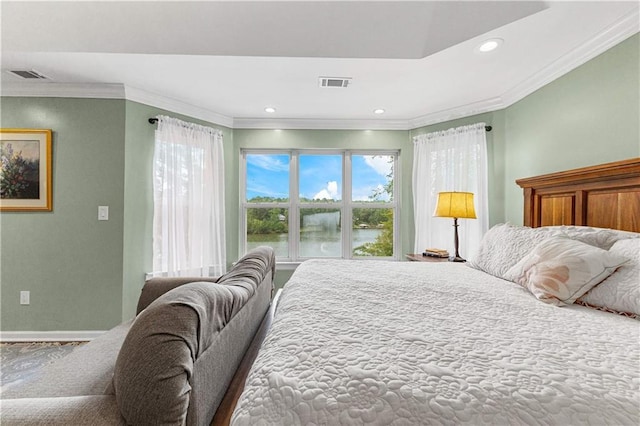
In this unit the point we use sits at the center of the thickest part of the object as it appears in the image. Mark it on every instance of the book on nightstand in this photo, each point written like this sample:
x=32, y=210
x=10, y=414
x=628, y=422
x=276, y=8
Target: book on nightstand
x=435, y=252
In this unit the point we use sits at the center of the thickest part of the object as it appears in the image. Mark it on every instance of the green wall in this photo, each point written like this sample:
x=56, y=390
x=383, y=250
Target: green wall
x=69, y=261
x=589, y=116
x=85, y=274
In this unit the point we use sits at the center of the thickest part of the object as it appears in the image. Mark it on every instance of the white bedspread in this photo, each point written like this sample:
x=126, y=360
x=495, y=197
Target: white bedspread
x=407, y=343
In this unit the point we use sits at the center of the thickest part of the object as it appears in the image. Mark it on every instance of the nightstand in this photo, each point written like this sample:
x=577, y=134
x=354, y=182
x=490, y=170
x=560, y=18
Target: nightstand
x=420, y=258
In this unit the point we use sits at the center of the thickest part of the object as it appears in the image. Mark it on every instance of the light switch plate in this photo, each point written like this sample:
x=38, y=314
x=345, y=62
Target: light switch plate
x=103, y=212
x=24, y=297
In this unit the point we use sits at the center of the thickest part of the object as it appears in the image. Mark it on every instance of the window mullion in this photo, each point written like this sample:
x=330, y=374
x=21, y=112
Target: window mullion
x=294, y=208
x=396, y=206
x=347, y=211
x=242, y=226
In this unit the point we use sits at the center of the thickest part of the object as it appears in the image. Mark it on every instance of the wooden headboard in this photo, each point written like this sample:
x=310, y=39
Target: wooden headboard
x=604, y=196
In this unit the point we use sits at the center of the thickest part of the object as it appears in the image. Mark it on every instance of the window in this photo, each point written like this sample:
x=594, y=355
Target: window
x=320, y=204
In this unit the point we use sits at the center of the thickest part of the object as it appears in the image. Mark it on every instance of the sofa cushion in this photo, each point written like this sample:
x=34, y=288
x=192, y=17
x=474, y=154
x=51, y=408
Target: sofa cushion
x=94, y=410
x=251, y=269
x=156, y=287
x=87, y=370
x=154, y=367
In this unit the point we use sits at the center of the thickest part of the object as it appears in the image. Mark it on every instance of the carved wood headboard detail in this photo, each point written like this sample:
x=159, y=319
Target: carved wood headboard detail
x=604, y=196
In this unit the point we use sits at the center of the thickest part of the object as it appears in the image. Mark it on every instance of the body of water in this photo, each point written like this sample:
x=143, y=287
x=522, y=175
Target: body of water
x=316, y=243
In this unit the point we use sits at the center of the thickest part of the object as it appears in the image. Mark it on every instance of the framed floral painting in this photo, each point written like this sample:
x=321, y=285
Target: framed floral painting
x=25, y=170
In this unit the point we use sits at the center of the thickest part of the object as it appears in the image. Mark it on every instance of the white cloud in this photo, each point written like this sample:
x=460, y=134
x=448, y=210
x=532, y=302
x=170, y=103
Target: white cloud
x=267, y=162
x=333, y=187
x=329, y=193
x=379, y=163
x=322, y=195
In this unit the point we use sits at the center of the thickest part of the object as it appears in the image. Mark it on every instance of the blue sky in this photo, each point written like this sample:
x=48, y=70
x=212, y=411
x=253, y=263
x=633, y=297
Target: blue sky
x=320, y=175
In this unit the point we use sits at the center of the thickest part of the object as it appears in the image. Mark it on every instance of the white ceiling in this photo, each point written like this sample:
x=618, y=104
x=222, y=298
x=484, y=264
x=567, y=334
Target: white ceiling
x=226, y=61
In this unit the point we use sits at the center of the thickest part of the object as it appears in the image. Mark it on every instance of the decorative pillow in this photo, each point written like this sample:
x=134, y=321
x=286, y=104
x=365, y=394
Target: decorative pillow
x=560, y=270
x=598, y=237
x=604, y=309
x=621, y=291
x=504, y=245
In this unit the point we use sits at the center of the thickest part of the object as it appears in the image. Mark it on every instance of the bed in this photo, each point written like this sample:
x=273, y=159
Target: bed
x=539, y=328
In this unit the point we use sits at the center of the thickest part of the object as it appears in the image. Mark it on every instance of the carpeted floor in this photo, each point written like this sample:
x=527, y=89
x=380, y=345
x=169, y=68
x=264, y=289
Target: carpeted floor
x=20, y=360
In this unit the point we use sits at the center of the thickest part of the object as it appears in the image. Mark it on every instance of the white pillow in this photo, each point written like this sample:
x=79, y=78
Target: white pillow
x=621, y=291
x=603, y=238
x=560, y=270
x=504, y=245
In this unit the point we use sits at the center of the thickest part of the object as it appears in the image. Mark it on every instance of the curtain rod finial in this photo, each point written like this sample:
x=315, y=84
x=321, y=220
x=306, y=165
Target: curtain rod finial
x=488, y=128
x=153, y=120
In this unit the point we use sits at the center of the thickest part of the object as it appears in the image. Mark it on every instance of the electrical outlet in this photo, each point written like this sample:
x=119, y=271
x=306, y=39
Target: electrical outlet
x=24, y=297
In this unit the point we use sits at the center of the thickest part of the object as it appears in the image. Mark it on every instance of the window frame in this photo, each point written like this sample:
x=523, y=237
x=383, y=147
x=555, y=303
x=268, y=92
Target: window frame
x=345, y=205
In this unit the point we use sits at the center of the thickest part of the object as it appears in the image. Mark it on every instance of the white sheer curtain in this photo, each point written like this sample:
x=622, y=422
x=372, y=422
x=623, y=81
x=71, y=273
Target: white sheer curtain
x=188, y=192
x=450, y=160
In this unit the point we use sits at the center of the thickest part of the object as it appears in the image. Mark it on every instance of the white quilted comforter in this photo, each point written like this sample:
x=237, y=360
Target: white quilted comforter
x=408, y=343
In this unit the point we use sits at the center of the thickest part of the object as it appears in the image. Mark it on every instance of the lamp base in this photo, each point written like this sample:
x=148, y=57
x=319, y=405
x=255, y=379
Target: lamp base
x=457, y=257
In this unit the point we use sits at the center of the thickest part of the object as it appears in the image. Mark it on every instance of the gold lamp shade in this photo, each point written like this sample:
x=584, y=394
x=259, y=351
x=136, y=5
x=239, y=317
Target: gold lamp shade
x=455, y=204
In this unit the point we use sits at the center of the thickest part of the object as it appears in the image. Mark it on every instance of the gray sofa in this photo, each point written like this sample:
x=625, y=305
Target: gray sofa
x=170, y=365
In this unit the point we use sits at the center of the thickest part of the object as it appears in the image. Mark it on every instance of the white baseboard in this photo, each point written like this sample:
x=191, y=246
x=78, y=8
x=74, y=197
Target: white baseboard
x=49, y=336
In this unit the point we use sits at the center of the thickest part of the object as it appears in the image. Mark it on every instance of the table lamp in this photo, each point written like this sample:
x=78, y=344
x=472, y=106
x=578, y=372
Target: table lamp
x=458, y=205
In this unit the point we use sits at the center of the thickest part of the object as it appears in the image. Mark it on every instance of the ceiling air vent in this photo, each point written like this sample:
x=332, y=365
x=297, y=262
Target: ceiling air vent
x=334, y=81
x=29, y=75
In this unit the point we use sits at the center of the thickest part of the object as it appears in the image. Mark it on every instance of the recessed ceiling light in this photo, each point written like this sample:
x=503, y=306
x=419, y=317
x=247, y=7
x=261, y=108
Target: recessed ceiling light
x=378, y=111
x=489, y=45
x=269, y=109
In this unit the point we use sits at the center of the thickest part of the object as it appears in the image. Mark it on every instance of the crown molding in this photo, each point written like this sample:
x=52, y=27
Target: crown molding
x=319, y=124
x=487, y=105
x=179, y=107
x=110, y=91
x=62, y=90
x=617, y=32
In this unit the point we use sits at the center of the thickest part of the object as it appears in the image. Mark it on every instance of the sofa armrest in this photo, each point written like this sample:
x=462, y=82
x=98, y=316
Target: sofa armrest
x=94, y=410
x=156, y=287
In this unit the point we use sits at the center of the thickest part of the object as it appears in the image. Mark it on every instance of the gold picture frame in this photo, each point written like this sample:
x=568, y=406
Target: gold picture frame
x=25, y=170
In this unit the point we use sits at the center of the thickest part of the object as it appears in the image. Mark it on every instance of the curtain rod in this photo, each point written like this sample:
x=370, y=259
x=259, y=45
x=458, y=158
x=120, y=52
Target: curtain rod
x=155, y=120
